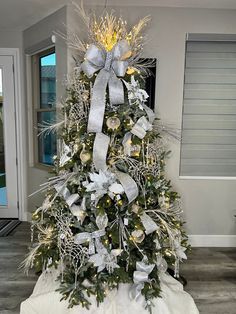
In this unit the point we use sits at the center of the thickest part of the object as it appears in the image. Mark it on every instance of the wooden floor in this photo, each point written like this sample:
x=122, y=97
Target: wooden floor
x=211, y=275
x=15, y=286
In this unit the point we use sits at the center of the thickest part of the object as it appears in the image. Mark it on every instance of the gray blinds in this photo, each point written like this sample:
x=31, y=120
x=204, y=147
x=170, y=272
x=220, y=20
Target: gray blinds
x=209, y=107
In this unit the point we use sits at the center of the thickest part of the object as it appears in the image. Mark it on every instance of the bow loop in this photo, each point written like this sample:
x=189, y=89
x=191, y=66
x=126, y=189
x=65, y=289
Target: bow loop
x=112, y=65
x=120, y=67
x=121, y=50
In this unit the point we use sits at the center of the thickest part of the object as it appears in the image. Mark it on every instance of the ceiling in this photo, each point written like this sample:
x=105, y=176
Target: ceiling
x=20, y=14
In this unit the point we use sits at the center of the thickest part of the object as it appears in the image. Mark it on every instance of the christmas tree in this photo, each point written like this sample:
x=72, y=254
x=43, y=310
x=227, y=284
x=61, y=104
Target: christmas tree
x=110, y=216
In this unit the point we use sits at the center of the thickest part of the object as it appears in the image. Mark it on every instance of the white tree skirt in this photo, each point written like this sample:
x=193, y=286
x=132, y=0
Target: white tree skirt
x=45, y=300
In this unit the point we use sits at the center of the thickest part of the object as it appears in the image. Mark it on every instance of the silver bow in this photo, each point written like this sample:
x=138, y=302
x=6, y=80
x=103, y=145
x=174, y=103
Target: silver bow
x=141, y=127
x=111, y=64
x=83, y=237
x=140, y=276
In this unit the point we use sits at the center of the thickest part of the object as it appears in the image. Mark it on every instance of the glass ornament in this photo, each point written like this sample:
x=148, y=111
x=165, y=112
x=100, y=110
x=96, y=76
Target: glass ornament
x=135, y=150
x=138, y=235
x=85, y=156
x=113, y=123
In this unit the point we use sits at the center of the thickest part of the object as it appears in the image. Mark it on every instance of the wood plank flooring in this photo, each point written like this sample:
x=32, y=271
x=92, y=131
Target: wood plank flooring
x=15, y=286
x=211, y=275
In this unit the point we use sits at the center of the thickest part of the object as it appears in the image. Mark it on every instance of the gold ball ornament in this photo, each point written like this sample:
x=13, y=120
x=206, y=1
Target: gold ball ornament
x=120, y=203
x=113, y=123
x=138, y=235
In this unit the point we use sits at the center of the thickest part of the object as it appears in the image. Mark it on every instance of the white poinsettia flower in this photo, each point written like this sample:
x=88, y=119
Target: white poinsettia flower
x=102, y=183
x=99, y=181
x=103, y=259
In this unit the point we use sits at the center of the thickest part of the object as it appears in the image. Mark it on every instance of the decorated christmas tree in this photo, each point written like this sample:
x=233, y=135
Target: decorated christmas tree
x=110, y=216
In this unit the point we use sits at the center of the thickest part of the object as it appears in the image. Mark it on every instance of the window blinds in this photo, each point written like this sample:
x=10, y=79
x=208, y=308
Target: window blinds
x=208, y=145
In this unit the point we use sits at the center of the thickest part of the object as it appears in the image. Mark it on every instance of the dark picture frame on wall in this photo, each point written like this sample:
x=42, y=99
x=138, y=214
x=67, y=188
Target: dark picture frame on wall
x=150, y=81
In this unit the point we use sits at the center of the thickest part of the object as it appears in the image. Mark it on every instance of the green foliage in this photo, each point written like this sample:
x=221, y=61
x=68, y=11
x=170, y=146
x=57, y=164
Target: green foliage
x=81, y=279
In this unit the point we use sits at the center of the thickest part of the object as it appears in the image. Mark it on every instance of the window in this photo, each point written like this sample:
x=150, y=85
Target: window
x=44, y=83
x=209, y=107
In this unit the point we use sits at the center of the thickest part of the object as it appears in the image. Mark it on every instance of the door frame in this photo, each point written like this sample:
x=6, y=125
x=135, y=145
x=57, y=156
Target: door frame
x=21, y=134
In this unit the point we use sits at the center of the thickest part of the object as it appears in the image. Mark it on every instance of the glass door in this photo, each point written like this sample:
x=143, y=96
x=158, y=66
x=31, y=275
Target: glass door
x=8, y=162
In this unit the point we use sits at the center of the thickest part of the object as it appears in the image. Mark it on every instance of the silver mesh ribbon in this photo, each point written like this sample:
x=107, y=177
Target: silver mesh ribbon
x=111, y=64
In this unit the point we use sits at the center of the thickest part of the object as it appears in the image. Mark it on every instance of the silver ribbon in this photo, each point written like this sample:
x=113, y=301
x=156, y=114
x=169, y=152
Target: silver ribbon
x=62, y=190
x=150, y=113
x=111, y=64
x=127, y=143
x=148, y=223
x=141, y=127
x=140, y=276
x=129, y=185
x=84, y=237
x=100, y=148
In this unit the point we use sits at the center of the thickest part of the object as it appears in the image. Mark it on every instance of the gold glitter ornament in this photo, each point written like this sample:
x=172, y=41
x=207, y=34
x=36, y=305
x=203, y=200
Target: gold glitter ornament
x=113, y=123
x=135, y=150
x=138, y=236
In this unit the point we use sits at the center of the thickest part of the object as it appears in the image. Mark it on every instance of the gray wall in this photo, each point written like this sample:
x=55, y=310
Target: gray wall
x=208, y=205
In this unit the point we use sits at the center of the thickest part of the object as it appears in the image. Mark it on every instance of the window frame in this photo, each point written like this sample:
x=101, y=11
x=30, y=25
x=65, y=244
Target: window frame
x=36, y=89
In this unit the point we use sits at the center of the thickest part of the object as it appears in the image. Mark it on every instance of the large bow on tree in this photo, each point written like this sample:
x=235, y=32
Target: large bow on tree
x=140, y=276
x=111, y=65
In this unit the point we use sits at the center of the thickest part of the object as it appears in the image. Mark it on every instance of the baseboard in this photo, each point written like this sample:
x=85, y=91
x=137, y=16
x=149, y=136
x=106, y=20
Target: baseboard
x=212, y=240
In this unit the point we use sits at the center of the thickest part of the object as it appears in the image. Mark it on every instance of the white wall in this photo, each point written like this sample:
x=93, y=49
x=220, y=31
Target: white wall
x=208, y=205
x=32, y=36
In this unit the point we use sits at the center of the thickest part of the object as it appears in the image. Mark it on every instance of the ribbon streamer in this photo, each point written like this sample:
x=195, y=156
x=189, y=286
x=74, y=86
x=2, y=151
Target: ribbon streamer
x=129, y=185
x=100, y=148
x=112, y=64
x=148, y=223
x=127, y=140
x=150, y=113
x=140, y=276
x=84, y=237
